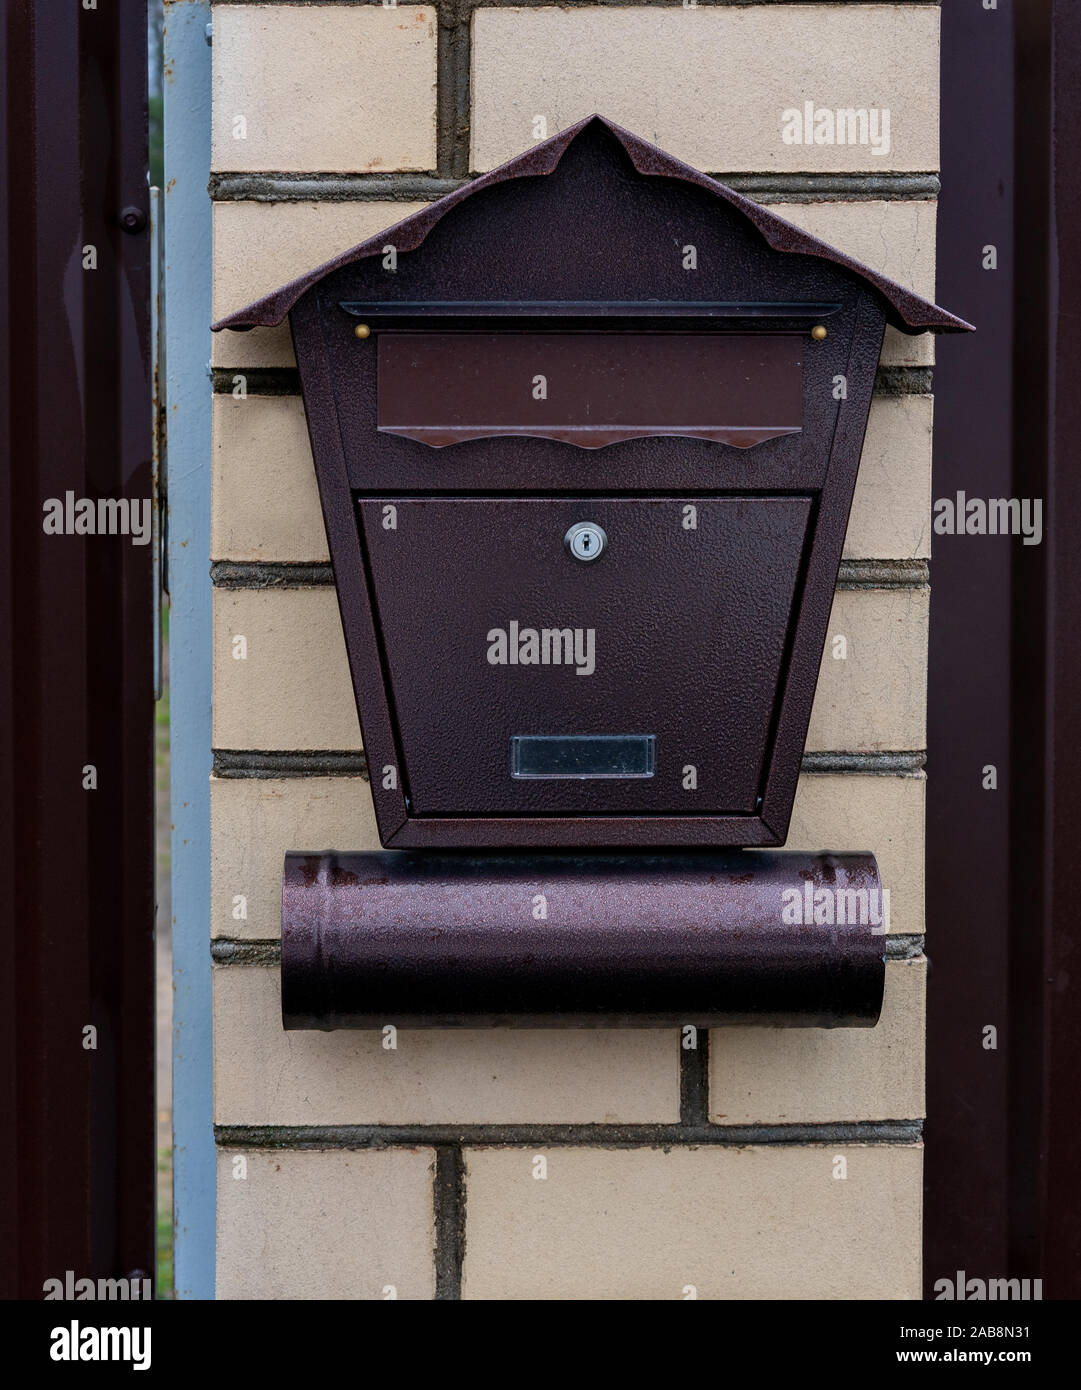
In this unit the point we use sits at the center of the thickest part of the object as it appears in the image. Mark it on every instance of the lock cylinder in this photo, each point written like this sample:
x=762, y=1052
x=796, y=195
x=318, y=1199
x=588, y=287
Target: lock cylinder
x=586, y=541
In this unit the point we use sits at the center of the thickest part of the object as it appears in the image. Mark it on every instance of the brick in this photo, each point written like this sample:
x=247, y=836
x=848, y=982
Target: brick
x=324, y=87
x=255, y=820
x=264, y=1075
x=266, y=502
x=819, y=1075
x=264, y=497
x=292, y=690
x=884, y=814
x=741, y=1223
x=311, y=1224
x=709, y=84
x=895, y=237
x=875, y=699
x=259, y=246
x=907, y=349
x=258, y=347
x=891, y=508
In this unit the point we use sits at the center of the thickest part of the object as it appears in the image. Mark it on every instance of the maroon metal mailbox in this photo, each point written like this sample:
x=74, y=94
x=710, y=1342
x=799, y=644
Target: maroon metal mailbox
x=586, y=434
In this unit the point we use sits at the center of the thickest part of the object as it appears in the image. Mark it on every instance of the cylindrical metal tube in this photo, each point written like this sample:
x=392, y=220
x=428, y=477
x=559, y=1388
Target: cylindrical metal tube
x=443, y=940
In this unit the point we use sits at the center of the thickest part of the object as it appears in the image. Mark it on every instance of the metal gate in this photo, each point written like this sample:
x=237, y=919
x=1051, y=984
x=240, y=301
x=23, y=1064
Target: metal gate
x=1003, y=1137
x=76, y=614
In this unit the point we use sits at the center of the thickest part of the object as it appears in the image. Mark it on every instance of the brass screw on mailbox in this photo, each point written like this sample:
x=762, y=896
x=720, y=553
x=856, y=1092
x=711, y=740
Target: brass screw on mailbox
x=656, y=699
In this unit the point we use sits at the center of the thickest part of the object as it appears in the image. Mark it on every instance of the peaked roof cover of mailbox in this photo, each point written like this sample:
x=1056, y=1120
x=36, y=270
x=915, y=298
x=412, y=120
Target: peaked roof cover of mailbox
x=905, y=310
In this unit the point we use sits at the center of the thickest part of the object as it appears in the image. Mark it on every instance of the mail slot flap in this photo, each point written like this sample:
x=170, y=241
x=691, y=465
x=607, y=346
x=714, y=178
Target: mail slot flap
x=590, y=388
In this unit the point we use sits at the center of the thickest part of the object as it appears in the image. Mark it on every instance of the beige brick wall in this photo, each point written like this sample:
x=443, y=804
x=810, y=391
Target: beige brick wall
x=872, y=698
x=345, y=93
x=709, y=84
x=325, y=1225
x=264, y=1076
x=815, y=1075
x=259, y=246
x=327, y=87
x=744, y=1223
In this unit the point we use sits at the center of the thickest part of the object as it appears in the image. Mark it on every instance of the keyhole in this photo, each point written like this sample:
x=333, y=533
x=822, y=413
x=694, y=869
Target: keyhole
x=586, y=540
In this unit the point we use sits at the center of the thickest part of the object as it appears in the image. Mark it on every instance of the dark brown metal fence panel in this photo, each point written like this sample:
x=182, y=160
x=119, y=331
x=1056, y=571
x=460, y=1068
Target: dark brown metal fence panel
x=969, y=666
x=76, y=685
x=1045, y=956
x=1003, y=1134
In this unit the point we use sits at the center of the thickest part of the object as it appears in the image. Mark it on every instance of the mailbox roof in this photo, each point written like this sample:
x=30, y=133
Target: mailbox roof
x=906, y=311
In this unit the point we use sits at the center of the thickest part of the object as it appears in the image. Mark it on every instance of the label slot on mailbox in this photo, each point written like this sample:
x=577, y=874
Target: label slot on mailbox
x=590, y=388
x=582, y=755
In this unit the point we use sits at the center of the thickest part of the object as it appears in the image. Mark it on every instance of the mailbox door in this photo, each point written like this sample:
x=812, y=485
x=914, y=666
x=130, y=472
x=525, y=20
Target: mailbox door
x=525, y=681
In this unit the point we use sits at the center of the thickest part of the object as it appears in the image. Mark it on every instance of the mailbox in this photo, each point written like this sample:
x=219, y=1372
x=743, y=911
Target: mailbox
x=586, y=434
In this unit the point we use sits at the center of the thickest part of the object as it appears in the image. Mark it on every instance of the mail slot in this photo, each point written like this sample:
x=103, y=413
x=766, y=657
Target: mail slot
x=589, y=388
x=586, y=433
